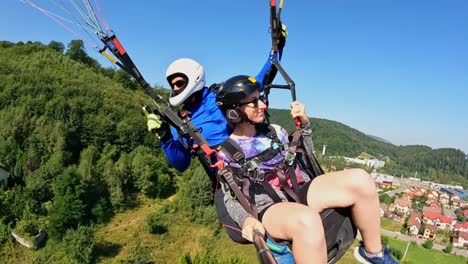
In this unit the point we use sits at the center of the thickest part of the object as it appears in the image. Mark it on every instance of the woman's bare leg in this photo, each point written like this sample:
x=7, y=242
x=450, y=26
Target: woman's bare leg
x=355, y=188
x=301, y=225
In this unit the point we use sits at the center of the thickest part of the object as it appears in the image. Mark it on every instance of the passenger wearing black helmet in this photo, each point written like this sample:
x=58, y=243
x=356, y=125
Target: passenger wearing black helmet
x=263, y=183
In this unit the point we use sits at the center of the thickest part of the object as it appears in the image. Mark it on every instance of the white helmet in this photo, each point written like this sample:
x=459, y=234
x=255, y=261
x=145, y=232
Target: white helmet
x=192, y=71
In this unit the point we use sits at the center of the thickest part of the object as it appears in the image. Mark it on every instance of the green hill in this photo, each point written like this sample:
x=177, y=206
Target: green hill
x=441, y=165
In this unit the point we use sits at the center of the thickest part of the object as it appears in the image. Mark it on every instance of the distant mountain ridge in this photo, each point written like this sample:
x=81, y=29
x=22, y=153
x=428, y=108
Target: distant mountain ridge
x=379, y=139
x=443, y=164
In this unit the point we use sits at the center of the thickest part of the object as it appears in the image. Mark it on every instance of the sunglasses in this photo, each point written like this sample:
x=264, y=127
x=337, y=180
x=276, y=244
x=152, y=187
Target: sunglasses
x=255, y=101
x=179, y=84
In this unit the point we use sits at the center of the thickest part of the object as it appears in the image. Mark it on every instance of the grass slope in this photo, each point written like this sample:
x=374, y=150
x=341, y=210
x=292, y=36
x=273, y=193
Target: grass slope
x=125, y=237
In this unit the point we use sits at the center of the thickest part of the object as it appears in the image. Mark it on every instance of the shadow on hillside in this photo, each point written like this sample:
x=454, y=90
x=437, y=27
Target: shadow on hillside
x=107, y=249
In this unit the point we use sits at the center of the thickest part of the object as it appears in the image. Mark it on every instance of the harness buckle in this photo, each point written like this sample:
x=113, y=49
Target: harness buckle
x=257, y=175
x=252, y=164
x=289, y=158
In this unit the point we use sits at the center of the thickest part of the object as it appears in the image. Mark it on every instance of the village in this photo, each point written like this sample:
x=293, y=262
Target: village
x=426, y=210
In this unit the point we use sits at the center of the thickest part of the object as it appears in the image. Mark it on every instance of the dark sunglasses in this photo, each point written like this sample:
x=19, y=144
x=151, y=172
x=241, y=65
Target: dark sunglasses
x=255, y=101
x=179, y=83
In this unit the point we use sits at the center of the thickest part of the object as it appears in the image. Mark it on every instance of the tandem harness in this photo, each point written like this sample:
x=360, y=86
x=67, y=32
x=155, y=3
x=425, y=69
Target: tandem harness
x=340, y=230
x=240, y=178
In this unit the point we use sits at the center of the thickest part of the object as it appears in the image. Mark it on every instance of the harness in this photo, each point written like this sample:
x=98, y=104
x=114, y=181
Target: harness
x=249, y=172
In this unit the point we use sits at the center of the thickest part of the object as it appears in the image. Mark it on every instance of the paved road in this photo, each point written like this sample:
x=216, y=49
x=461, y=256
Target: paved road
x=400, y=236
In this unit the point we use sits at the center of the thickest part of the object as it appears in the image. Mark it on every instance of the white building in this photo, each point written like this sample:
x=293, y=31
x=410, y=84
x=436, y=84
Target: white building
x=381, y=178
x=373, y=163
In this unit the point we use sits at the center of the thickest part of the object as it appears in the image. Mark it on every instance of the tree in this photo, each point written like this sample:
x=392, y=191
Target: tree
x=155, y=224
x=68, y=209
x=58, y=46
x=79, y=245
x=448, y=248
x=385, y=198
x=428, y=244
x=76, y=51
x=125, y=79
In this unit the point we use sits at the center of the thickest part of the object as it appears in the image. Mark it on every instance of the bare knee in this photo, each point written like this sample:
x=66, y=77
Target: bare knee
x=308, y=225
x=361, y=182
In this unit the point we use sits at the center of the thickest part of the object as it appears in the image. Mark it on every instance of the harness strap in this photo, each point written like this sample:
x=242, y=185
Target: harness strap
x=285, y=185
x=261, y=180
x=245, y=203
x=296, y=137
x=271, y=192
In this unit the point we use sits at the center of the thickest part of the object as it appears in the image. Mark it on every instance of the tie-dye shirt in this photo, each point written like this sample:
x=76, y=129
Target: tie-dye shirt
x=256, y=145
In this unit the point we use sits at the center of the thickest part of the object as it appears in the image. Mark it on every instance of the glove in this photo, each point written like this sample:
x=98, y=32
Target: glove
x=157, y=126
x=153, y=122
x=283, y=36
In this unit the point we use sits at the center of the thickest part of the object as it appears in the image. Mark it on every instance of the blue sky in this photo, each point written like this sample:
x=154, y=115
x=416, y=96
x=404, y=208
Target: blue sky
x=396, y=69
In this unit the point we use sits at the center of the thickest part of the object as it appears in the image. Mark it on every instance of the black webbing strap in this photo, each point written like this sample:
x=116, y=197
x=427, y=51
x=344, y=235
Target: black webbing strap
x=266, y=185
x=232, y=150
x=245, y=203
x=296, y=137
x=285, y=185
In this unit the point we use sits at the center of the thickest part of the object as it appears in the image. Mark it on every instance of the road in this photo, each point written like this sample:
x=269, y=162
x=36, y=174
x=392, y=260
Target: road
x=400, y=236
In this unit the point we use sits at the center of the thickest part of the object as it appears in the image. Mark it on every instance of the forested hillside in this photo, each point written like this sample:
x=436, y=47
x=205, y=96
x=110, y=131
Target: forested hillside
x=74, y=140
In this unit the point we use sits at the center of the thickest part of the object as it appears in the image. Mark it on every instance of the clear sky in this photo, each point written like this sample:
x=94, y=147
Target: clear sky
x=397, y=69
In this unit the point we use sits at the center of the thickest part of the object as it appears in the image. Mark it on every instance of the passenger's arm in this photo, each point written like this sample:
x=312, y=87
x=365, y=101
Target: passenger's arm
x=234, y=208
x=298, y=111
x=306, y=132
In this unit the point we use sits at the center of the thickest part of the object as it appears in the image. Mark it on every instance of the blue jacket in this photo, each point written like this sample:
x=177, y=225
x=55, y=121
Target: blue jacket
x=208, y=116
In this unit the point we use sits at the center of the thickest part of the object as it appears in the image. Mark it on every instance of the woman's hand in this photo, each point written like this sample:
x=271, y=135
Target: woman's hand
x=298, y=110
x=251, y=224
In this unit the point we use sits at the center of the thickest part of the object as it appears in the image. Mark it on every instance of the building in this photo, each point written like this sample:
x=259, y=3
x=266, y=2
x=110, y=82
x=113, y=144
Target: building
x=373, y=163
x=455, y=192
x=382, y=178
x=428, y=209
x=383, y=208
x=440, y=221
x=414, y=223
x=401, y=206
x=462, y=227
x=430, y=232
x=460, y=240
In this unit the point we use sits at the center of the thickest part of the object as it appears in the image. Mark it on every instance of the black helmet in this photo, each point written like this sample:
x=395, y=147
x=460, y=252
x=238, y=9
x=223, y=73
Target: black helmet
x=234, y=91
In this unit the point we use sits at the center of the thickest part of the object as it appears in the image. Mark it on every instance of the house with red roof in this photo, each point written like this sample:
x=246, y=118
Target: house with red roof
x=401, y=206
x=428, y=209
x=432, y=194
x=441, y=221
x=432, y=203
x=462, y=227
x=407, y=196
x=414, y=223
x=383, y=208
x=460, y=240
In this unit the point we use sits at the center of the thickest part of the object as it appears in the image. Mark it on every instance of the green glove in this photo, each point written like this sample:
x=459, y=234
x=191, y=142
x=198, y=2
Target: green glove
x=154, y=122
x=157, y=126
